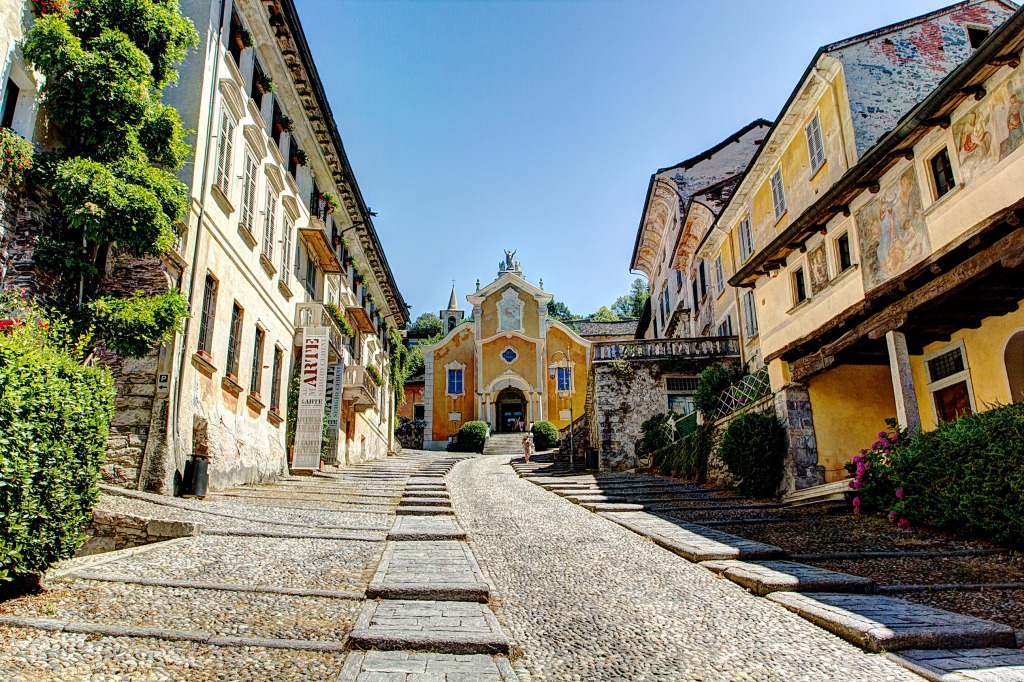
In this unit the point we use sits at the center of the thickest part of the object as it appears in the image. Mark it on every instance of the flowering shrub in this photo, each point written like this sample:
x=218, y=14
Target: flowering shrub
x=15, y=156
x=873, y=484
x=340, y=319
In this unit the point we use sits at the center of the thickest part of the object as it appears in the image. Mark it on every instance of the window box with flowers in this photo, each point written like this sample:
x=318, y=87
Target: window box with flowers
x=300, y=157
x=374, y=374
x=265, y=84
x=244, y=39
x=332, y=202
x=284, y=124
x=340, y=319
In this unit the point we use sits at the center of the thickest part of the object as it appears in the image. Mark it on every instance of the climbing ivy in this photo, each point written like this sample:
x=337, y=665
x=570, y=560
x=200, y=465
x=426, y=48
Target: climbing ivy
x=105, y=64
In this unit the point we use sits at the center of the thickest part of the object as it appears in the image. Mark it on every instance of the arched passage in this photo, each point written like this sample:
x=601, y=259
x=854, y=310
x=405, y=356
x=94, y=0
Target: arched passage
x=1013, y=362
x=511, y=408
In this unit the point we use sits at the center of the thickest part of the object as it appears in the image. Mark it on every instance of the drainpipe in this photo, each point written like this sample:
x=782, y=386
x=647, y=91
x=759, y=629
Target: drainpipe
x=199, y=228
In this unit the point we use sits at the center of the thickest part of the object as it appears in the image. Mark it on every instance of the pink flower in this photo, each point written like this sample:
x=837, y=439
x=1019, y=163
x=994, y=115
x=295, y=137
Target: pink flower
x=863, y=451
x=886, y=443
x=857, y=458
x=876, y=445
x=899, y=494
x=893, y=515
x=903, y=523
x=895, y=437
x=853, y=484
x=883, y=434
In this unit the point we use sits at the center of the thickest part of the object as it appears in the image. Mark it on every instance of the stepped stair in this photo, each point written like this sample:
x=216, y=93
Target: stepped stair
x=504, y=444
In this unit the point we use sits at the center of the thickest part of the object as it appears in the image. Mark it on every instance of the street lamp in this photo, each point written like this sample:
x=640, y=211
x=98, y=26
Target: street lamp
x=553, y=373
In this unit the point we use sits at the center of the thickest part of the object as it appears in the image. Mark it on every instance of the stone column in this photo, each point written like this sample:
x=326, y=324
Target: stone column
x=801, y=468
x=907, y=412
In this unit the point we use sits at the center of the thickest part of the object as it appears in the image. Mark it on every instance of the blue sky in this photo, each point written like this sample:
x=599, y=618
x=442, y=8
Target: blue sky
x=475, y=126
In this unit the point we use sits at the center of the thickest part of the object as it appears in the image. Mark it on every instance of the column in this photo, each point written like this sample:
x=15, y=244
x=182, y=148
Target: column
x=907, y=412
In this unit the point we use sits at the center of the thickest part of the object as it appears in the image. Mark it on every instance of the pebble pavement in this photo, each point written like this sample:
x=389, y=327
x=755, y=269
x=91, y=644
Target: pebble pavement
x=584, y=599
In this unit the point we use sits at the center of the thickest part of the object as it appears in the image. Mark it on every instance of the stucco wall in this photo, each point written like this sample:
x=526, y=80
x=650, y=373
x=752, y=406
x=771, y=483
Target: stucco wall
x=459, y=348
x=559, y=341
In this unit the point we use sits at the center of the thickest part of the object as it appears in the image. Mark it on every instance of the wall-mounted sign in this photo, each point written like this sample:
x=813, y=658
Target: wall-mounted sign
x=163, y=383
x=309, y=423
x=335, y=385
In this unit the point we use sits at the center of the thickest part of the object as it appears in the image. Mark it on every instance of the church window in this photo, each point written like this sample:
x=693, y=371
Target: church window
x=509, y=355
x=564, y=378
x=778, y=193
x=455, y=382
x=815, y=146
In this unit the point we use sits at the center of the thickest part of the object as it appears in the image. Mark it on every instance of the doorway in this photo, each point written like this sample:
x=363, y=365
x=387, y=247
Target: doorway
x=1013, y=361
x=511, y=408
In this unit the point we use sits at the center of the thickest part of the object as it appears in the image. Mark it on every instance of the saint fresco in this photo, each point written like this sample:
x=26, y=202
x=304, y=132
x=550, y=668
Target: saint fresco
x=992, y=130
x=893, y=233
x=817, y=265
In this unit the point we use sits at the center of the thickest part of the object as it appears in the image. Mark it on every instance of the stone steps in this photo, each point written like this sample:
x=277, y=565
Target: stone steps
x=692, y=541
x=764, y=577
x=450, y=627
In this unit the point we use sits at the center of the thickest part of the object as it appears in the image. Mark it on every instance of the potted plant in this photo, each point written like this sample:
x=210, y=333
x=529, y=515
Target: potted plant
x=265, y=84
x=284, y=124
x=243, y=38
x=332, y=202
x=300, y=157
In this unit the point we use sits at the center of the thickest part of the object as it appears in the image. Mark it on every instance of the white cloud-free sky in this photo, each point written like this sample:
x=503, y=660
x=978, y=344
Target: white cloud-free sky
x=476, y=126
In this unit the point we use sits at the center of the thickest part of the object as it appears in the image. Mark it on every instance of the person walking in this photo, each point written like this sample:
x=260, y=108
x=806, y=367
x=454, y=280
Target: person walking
x=527, y=446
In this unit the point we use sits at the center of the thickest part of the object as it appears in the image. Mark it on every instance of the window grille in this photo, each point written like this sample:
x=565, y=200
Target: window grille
x=256, y=380
x=209, y=311
x=275, y=379
x=681, y=384
x=234, y=339
x=946, y=365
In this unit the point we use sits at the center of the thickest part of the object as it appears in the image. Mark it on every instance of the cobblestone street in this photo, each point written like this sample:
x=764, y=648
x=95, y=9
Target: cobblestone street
x=441, y=570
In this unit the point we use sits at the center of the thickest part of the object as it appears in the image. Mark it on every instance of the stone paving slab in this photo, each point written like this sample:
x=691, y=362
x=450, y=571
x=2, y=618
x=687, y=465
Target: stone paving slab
x=612, y=507
x=421, y=479
x=762, y=577
x=431, y=492
x=450, y=627
x=426, y=528
x=881, y=623
x=692, y=541
x=402, y=666
x=421, y=510
x=962, y=665
x=592, y=499
x=425, y=502
x=444, y=569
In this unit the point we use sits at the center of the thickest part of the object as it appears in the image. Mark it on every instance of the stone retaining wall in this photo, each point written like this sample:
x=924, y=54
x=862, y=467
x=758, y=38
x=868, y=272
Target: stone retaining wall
x=108, y=531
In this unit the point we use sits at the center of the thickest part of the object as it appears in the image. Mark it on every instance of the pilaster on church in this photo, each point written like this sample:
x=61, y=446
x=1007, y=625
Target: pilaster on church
x=513, y=366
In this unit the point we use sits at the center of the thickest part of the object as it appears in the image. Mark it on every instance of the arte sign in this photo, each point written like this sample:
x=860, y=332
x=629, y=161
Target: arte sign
x=335, y=382
x=309, y=422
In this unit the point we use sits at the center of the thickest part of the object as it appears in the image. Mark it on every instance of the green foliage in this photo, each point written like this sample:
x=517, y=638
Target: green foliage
x=374, y=374
x=427, y=323
x=632, y=304
x=657, y=432
x=966, y=476
x=754, y=447
x=105, y=63
x=712, y=381
x=471, y=437
x=604, y=314
x=287, y=124
x=340, y=319
x=399, y=366
x=54, y=418
x=332, y=202
x=15, y=156
x=131, y=327
x=621, y=368
x=545, y=435
x=687, y=457
x=559, y=311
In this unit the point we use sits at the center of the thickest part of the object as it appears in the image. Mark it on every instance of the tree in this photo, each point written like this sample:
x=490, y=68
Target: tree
x=604, y=314
x=113, y=182
x=427, y=323
x=559, y=311
x=632, y=304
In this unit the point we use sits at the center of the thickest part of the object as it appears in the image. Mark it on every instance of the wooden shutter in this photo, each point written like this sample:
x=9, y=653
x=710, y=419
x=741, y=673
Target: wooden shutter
x=286, y=251
x=227, y=132
x=815, y=146
x=268, y=226
x=249, y=194
x=778, y=193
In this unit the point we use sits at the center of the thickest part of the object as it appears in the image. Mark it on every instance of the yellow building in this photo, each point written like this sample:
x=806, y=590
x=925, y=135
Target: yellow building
x=510, y=362
x=881, y=253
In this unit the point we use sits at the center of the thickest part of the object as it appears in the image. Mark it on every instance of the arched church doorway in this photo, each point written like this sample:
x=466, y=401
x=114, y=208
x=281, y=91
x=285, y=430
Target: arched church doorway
x=1013, y=361
x=511, y=407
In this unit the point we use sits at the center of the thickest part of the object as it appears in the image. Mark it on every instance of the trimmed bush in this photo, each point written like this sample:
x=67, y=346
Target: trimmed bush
x=54, y=418
x=754, y=447
x=967, y=475
x=688, y=456
x=712, y=381
x=545, y=435
x=471, y=437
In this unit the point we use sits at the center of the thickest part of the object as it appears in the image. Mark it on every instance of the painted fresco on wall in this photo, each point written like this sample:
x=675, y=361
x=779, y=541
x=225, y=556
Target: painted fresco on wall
x=510, y=311
x=893, y=234
x=817, y=265
x=992, y=130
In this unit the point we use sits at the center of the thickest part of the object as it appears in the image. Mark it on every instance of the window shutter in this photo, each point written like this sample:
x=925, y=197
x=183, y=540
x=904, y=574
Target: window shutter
x=249, y=194
x=815, y=145
x=268, y=226
x=778, y=193
x=286, y=251
x=227, y=132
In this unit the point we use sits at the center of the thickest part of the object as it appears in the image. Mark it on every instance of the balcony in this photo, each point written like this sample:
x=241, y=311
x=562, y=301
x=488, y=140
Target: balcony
x=661, y=349
x=362, y=317
x=319, y=241
x=314, y=314
x=359, y=388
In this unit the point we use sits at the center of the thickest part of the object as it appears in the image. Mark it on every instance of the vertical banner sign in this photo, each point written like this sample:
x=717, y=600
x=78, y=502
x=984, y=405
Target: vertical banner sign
x=337, y=381
x=309, y=422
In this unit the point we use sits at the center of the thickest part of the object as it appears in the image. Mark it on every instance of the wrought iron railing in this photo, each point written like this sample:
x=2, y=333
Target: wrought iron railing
x=653, y=349
x=743, y=395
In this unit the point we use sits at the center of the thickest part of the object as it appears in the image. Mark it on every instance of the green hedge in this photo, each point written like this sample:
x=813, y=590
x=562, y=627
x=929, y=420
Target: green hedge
x=545, y=435
x=967, y=475
x=471, y=437
x=688, y=456
x=754, y=447
x=54, y=418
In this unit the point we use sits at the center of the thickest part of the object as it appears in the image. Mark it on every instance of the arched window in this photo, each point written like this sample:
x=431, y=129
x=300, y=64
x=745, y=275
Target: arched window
x=1013, y=362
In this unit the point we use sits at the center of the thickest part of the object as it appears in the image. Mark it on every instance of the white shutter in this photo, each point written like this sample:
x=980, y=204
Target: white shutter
x=268, y=226
x=746, y=248
x=815, y=146
x=778, y=193
x=249, y=194
x=719, y=275
x=286, y=251
x=227, y=132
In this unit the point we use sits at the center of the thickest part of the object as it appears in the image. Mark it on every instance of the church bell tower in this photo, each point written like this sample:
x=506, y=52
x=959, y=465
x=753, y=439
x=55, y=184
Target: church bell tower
x=452, y=317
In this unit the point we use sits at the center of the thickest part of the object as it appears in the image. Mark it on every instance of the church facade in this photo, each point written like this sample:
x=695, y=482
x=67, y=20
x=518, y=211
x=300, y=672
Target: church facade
x=508, y=362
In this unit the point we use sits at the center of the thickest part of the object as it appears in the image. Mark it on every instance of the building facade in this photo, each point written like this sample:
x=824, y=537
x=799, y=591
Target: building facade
x=510, y=363
x=277, y=248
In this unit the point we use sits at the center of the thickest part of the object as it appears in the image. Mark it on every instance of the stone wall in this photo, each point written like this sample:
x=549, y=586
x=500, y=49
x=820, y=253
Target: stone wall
x=793, y=407
x=109, y=530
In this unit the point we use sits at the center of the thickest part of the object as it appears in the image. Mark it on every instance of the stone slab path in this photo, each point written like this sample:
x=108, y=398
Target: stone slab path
x=401, y=666
x=763, y=577
x=426, y=528
x=880, y=623
x=583, y=598
x=438, y=569
x=965, y=665
x=448, y=627
x=691, y=541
